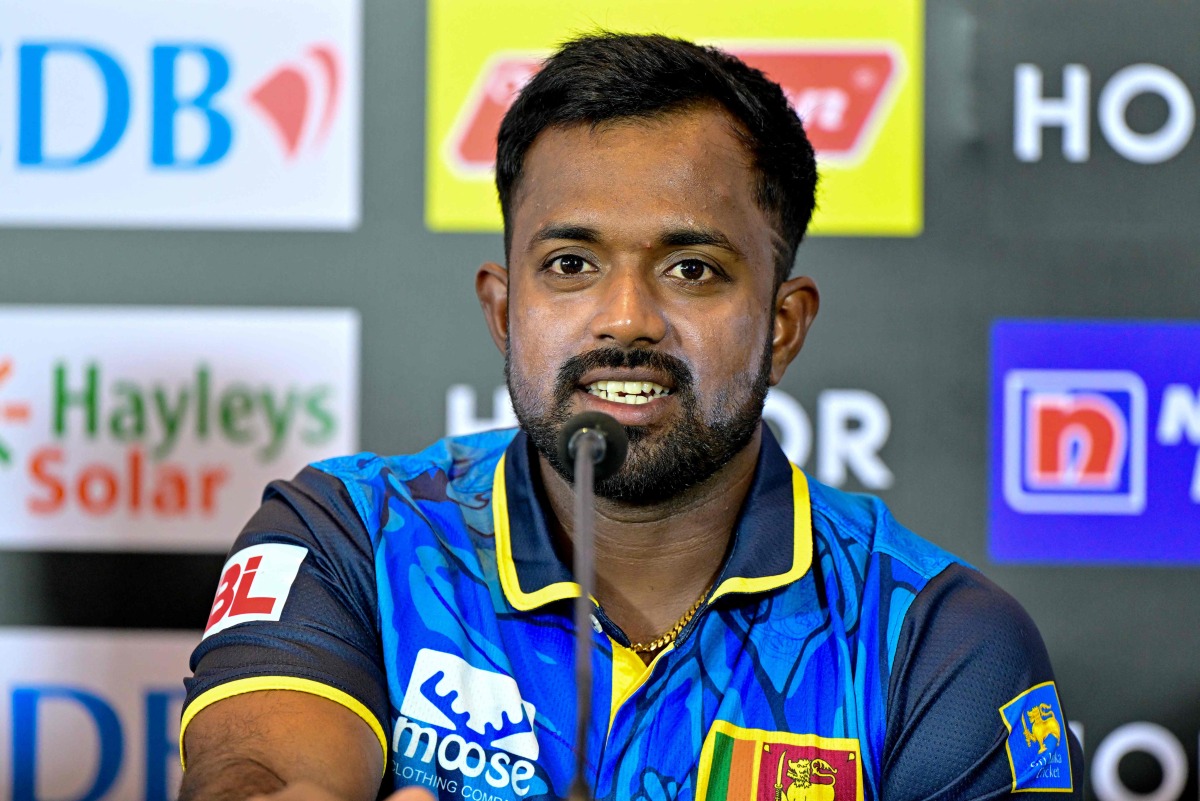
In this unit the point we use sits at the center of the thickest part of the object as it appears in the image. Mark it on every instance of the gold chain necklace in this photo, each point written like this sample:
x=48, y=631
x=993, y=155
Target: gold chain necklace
x=673, y=632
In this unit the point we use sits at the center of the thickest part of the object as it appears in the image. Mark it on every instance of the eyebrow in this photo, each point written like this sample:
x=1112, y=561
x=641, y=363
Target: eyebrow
x=688, y=237
x=575, y=233
x=673, y=238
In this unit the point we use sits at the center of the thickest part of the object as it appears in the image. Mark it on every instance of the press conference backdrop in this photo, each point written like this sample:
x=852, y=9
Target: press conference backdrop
x=237, y=236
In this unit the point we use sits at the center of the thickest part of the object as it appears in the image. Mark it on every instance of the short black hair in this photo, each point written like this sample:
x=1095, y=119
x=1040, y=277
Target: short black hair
x=608, y=76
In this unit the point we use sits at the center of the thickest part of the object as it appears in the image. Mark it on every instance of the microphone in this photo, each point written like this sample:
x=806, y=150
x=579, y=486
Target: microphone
x=607, y=438
x=591, y=446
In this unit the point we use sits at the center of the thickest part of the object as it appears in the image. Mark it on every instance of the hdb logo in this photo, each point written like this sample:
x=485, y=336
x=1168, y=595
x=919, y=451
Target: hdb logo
x=1075, y=441
x=75, y=101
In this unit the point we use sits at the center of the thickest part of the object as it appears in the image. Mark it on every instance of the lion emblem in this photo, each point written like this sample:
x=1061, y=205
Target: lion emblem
x=808, y=780
x=1042, y=723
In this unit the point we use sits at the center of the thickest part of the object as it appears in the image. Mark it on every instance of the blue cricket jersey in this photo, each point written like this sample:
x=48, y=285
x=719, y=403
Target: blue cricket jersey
x=838, y=657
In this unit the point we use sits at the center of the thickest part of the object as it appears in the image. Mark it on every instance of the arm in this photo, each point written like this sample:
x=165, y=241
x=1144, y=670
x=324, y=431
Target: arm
x=261, y=742
x=289, y=687
x=966, y=651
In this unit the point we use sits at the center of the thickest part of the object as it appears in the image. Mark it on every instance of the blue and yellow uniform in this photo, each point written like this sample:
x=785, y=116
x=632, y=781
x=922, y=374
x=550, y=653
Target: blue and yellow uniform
x=838, y=657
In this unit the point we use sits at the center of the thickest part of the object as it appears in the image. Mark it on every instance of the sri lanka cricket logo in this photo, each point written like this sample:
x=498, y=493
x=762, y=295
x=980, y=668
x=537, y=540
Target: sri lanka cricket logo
x=1038, y=754
x=1044, y=725
x=741, y=764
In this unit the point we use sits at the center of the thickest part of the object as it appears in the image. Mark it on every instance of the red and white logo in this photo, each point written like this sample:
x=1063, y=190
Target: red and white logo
x=255, y=584
x=300, y=99
x=841, y=93
x=1075, y=441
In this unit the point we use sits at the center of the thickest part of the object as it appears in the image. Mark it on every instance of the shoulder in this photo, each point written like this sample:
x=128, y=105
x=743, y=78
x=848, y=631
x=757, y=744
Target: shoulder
x=862, y=526
x=969, y=661
x=451, y=469
x=961, y=611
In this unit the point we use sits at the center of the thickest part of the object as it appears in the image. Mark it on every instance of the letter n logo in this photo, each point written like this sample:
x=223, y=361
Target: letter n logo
x=1075, y=441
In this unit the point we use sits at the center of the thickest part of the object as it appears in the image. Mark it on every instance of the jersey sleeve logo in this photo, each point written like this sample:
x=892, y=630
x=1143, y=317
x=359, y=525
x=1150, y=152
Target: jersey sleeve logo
x=1038, y=753
x=255, y=584
x=739, y=764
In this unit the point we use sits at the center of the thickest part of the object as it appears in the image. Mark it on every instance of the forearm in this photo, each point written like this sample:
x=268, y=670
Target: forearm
x=234, y=779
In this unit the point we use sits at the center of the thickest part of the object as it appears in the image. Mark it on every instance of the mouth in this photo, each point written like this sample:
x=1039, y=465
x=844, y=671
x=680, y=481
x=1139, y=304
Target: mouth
x=633, y=393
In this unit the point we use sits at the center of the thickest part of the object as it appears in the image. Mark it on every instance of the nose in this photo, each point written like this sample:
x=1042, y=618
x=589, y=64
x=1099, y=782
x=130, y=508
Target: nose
x=629, y=312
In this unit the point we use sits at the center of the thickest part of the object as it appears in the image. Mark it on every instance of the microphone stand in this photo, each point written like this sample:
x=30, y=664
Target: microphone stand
x=589, y=447
x=596, y=445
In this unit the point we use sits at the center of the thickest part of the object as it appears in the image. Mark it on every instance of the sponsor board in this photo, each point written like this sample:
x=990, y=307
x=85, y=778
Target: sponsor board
x=157, y=429
x=91, y=714
x=198, y=114
x=1095, y=442
x=853, y=72
x=1081, y=100
x=853, y=426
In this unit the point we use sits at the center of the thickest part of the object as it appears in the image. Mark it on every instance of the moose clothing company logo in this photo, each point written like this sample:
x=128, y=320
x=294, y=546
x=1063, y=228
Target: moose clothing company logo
x=159, y=428
x=853, y=77
x=472, y=721
x=740, y=764
x=201, y=115
x=1037, y=753
x=1096, y=442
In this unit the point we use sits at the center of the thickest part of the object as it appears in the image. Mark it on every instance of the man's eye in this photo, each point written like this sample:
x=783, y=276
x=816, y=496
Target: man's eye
x=570, y=265
x=692, y=270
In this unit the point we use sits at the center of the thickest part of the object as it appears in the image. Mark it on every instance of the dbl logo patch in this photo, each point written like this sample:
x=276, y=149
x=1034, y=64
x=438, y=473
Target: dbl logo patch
x=1037, y=746
x=1075, y=441
x=255, y=585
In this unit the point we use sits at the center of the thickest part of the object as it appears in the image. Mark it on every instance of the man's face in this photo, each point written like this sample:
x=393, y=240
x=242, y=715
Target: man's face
x=641, y=284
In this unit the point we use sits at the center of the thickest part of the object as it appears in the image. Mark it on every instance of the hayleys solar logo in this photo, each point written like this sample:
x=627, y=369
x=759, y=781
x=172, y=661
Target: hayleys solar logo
x=152, y=428
x=1096, y=442
x=152, y=114
x=479, y=728
x=856, y=88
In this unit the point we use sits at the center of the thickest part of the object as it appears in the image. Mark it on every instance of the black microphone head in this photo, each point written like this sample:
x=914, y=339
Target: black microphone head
x=616, y=443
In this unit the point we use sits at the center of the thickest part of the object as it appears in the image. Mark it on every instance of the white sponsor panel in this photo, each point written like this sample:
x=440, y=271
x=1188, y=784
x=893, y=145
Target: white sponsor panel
x=158, y=428
x=90, y=714
x=853, y=427
x=197, y=113
x=255, y=583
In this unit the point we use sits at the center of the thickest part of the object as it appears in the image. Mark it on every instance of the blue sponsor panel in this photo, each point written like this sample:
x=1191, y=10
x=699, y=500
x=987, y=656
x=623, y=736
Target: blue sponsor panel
x=1095, y=433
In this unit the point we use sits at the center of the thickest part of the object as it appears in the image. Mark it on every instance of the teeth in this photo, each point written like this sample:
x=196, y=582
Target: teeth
x=631, y=392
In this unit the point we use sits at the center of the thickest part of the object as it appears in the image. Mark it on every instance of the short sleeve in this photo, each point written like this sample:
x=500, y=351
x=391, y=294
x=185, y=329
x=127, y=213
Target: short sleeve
x=973, y=711
x=296, y=607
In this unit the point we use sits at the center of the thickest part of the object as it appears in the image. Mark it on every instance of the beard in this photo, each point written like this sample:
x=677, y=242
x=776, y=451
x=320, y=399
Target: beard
x=660, y=465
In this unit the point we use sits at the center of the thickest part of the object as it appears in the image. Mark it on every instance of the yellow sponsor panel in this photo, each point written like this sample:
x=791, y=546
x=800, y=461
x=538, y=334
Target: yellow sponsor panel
x=852, y=69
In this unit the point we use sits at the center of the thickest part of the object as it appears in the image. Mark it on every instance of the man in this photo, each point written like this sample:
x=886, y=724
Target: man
x=757, y=635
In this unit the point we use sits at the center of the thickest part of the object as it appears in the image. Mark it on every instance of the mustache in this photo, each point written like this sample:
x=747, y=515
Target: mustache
x=573, y=369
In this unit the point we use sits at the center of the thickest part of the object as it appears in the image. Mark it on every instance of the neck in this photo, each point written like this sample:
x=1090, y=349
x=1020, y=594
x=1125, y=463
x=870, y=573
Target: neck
x=653, y=561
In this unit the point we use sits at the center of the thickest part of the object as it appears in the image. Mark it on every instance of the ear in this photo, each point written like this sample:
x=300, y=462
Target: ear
x=796, y=305
x=491, y=286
